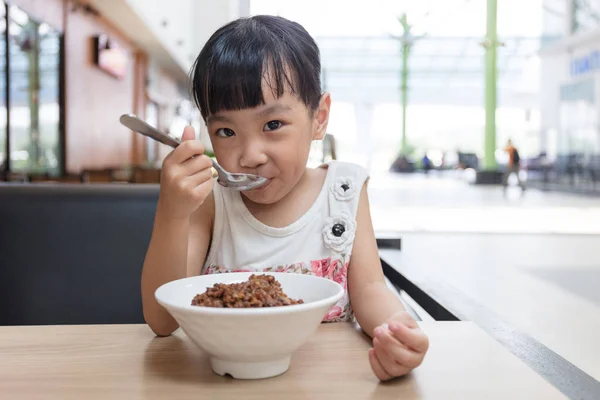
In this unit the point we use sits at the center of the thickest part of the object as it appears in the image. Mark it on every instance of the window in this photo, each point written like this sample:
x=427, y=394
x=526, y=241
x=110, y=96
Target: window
x=3, y=113
x=30, y=121
x=587, y=15
x=152, y=114
x=579, y=120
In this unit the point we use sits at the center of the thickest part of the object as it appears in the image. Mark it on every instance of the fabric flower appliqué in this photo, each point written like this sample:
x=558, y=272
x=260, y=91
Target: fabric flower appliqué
x=338, y=232
x=343, y=188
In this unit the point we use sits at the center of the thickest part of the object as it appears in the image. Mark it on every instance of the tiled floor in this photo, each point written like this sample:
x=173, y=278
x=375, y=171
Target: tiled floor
x=414, y=203
x=583, y=282
x=534, y=261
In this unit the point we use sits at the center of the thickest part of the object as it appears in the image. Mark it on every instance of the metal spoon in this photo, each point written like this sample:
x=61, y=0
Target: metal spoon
x=235, y=181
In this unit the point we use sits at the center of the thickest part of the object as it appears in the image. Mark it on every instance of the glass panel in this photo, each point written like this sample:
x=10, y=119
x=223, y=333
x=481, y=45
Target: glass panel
x=554, y=14
x=49, y=113
x=587, y=15
x=579, y=120
x=152, y=112
x=2, y=87
x=473, y=48
x=19, y=88
x=34, y=103
x=443, y=67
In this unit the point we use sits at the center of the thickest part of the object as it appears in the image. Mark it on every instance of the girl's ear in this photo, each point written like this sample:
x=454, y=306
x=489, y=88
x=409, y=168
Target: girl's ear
x=321, y=117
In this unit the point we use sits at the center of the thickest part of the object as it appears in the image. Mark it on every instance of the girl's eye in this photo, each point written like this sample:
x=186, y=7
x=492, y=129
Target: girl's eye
x=224, y=132
x=272, y=125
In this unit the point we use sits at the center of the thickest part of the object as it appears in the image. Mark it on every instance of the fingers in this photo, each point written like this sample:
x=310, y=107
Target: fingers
x=203, y=190
x=196, y=164
x=386, y=360
x=415, y=339
x=199, y=177
x=188, y=175
x=186, y=150
x=196, y=187
x=393, y=354
x=188, y=179
x=377, y=368
x=188, y=133
x=397, y=352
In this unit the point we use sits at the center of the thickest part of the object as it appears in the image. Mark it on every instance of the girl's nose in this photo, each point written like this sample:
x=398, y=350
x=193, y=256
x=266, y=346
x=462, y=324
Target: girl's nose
x=253, y=156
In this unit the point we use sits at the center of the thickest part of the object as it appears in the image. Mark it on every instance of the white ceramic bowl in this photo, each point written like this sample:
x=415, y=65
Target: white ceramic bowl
x=250, y=343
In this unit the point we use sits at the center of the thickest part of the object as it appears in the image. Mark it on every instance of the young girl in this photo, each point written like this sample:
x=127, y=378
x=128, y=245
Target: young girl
x=257, y=85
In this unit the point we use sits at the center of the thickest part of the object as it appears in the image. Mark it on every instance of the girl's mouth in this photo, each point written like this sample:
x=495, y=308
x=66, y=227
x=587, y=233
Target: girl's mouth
x=261, y=188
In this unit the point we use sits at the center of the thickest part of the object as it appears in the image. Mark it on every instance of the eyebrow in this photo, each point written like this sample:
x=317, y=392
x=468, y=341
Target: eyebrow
x=274, y=109
x=218, y=118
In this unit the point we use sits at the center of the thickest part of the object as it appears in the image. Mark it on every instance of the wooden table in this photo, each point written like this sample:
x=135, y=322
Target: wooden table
x=447, y=296
x=127, y=362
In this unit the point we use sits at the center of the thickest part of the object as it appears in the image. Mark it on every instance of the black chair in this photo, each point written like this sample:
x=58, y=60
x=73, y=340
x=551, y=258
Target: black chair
x=72, y=254
x=593, y=167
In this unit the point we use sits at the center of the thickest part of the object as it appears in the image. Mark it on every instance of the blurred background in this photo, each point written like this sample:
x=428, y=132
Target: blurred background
x=426, y=95
x=408, y=80
x=430, y=89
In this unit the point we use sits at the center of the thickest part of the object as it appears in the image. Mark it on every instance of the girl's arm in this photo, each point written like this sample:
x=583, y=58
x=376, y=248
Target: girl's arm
x=399, y=345
x=372, y=300
x=182, y=226
x=177, y=250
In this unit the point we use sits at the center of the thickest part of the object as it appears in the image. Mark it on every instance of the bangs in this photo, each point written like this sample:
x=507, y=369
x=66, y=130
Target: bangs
x=240, y=60
x=239, y=83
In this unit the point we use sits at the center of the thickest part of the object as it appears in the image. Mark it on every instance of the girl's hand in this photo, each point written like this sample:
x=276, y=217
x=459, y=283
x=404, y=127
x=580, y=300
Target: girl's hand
x=399, y=346
x=186, y=178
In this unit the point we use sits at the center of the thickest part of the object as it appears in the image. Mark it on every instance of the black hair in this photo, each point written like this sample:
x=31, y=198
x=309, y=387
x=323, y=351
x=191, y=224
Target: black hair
x=228, y=73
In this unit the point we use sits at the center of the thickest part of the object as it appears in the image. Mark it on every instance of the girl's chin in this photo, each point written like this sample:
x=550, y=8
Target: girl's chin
x=264, y=195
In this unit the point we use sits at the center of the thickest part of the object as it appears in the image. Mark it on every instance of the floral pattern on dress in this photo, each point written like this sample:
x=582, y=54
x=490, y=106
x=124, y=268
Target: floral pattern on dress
x=333, y=269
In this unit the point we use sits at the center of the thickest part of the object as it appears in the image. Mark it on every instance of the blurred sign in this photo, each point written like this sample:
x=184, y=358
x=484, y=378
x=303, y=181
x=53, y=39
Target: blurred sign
x=585, y=64
x=109, y=57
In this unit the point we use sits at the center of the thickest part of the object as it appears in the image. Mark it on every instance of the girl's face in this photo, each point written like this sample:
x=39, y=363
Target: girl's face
x=272, y=140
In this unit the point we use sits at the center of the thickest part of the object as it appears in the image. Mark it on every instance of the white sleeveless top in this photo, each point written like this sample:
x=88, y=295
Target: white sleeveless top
x=318, y=243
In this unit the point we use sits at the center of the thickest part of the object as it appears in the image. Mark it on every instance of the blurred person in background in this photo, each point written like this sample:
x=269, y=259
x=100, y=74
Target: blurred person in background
x=513, y=166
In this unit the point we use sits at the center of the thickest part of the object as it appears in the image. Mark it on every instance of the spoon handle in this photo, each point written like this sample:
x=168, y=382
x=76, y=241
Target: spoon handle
x=137, y=125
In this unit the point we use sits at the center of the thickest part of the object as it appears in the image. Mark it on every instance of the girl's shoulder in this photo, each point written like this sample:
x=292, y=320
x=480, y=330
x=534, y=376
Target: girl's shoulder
x=340, y=167
x=346, y=180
